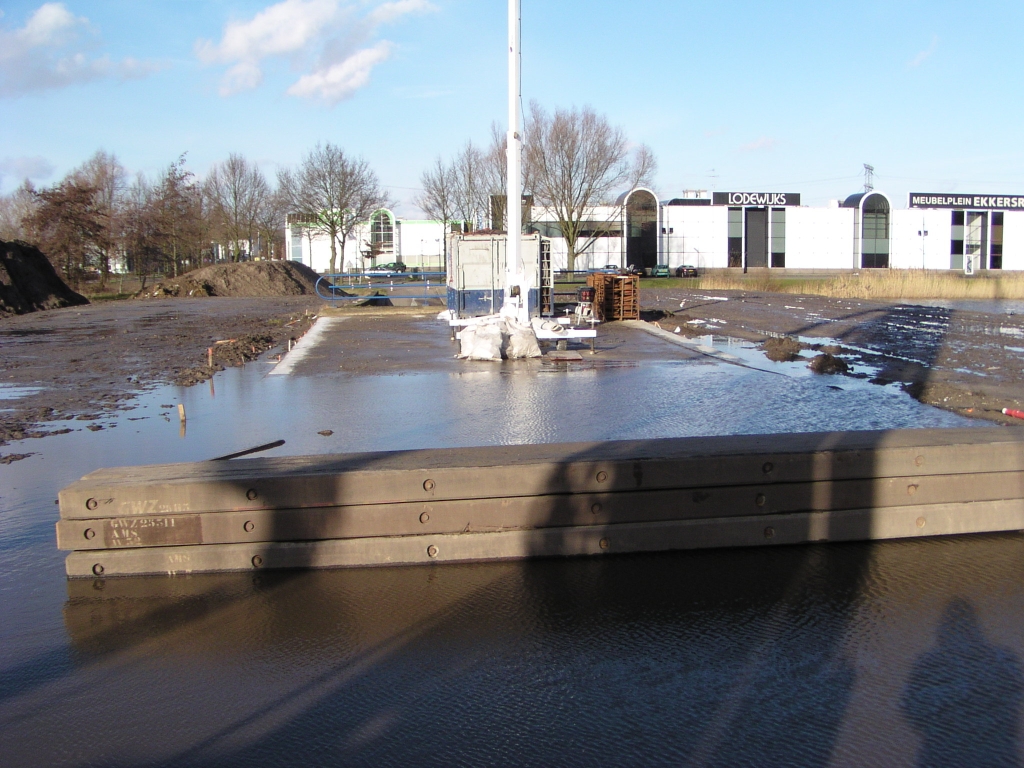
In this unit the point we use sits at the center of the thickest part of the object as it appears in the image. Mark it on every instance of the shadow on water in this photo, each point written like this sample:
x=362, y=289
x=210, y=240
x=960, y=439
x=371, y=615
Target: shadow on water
x=964, y=696
x=652, y=659
x=600, y=661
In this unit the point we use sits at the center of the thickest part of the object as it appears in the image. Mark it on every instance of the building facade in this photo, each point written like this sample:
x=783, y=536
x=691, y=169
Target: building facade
x=774, y=230
x=770, y=230
x=384, y=239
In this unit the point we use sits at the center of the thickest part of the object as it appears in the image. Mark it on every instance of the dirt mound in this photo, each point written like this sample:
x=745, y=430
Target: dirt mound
x=29, y=283
x=250, y=278
x=828, y=364
x=783, y=349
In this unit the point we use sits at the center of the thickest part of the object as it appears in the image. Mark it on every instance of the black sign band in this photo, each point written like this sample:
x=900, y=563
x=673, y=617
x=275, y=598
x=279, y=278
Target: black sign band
x=755, y=198
x=978, y=202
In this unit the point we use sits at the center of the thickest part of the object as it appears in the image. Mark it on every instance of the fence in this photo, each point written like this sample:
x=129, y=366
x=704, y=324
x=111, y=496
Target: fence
x=412, y=285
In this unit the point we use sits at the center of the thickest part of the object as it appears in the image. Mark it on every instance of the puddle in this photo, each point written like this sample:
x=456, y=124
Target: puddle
x=14, y=392
x=236, y=647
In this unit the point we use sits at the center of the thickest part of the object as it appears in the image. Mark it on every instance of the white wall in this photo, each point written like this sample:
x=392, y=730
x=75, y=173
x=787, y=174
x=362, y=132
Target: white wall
x=604, y=250
x=1013, y=240
x=819, y=238
x=905, y=244
x=418, y=244
x=700, y=236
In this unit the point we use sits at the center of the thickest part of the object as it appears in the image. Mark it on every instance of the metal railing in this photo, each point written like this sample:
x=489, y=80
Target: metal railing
x=336, y=287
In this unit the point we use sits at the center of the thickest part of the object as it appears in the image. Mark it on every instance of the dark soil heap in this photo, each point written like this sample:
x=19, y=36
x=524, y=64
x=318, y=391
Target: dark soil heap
x=29, y=283
x=250, y=279
x=783, y=349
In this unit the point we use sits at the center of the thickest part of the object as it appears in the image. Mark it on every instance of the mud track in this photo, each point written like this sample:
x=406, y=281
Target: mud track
x=968, y=362
x=89, y=361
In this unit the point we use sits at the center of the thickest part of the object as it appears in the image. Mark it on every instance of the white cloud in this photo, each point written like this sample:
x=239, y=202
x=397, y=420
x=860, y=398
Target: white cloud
x=764, y=142
x=329, y=39
x=919, y=59
x=51, y=51
x=339, y=81
x=38, y=168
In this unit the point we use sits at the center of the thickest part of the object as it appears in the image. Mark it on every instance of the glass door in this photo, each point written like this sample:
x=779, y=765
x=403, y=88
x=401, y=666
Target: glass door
x=975, y=235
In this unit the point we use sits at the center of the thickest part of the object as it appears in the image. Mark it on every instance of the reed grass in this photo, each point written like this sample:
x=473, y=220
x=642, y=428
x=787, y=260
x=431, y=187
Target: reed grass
x=875, y=284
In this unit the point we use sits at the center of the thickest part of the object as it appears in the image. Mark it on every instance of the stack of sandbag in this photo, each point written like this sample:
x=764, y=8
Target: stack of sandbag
x=496, y=338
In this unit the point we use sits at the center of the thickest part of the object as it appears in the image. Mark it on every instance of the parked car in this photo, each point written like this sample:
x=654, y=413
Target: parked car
x=608, y=269
x=387, y=270
x=660, y=270
x=686, y=271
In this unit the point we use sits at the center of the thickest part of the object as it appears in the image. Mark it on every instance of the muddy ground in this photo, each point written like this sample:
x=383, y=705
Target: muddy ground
x=94, y=359
x=91, y=360
x=968, y=362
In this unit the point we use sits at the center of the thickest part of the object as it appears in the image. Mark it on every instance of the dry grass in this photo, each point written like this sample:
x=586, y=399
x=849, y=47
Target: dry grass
x=878, y=284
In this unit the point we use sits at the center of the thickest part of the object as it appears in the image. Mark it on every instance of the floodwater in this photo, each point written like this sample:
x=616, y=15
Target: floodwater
x=896, y=653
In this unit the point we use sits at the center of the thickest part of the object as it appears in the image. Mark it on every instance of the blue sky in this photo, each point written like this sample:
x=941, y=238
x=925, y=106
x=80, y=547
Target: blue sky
x=735, y=96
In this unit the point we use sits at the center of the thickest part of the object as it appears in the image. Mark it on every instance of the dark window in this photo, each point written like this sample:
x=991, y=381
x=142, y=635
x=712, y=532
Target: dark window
x=735, y=251
x=995, y=260
x=958, y=218
x=875, y=261
x=778, y=259
x=956, y=247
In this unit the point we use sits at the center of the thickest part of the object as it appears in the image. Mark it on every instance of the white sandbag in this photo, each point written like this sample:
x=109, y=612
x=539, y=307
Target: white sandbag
x=548, y=326
x=520, y=341
x=481, y=342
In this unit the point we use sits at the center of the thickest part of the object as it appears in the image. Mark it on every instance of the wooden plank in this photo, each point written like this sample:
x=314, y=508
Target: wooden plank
x=490, y=472
x=453, y=516
x=847, y=525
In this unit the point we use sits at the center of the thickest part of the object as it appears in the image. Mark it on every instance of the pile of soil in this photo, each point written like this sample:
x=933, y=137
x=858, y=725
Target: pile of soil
x=29, y=283
x=828, y=364
x=256, y=279
x=783, y=349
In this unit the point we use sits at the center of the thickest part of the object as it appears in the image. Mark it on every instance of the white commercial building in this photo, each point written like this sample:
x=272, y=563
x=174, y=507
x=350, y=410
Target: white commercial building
x=722, y=230
x=384, y=239
x=773, y=230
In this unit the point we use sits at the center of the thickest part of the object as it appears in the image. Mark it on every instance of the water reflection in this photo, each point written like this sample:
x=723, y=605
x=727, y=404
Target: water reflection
x=964, y=696
x=735, y=657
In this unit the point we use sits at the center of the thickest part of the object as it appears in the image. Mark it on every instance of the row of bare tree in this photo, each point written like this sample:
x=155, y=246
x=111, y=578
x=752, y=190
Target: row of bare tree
x=573, y=161
x=96, y=217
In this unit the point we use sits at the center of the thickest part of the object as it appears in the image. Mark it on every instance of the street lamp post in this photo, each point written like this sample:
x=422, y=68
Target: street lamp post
x=922, y=233
x=516, y=288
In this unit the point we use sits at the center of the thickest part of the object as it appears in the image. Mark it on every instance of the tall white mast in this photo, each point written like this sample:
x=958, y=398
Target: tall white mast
x=514, y=277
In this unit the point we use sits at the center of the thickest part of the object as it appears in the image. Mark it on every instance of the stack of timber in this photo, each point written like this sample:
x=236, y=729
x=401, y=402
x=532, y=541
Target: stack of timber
x=509, y=502
x=616, y=297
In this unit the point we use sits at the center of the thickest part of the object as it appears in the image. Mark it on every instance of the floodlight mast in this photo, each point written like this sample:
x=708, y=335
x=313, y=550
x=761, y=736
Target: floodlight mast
x=517, y=291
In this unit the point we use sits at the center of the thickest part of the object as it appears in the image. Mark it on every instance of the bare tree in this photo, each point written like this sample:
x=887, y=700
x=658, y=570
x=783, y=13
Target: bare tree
x=270, y=224
x=472, y=194
x=16, y=211
x=141, y=235
x=237, y=189
x=108, y=177
x=332, y=192
x=576, y=160
x=180, y=222
x=438, y=198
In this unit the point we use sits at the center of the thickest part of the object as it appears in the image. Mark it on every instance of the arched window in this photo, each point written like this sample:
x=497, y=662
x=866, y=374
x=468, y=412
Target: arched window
x=641, y=229
x=871, y=229
x=382, y=233
x=874, y=232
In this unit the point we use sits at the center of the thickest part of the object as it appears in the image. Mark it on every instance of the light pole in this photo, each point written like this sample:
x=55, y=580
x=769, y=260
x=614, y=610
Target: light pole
x=517, y=291
x=922, y=233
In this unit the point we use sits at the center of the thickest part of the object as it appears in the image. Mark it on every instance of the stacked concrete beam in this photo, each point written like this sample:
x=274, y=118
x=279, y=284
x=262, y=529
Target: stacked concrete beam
x=509, y=502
